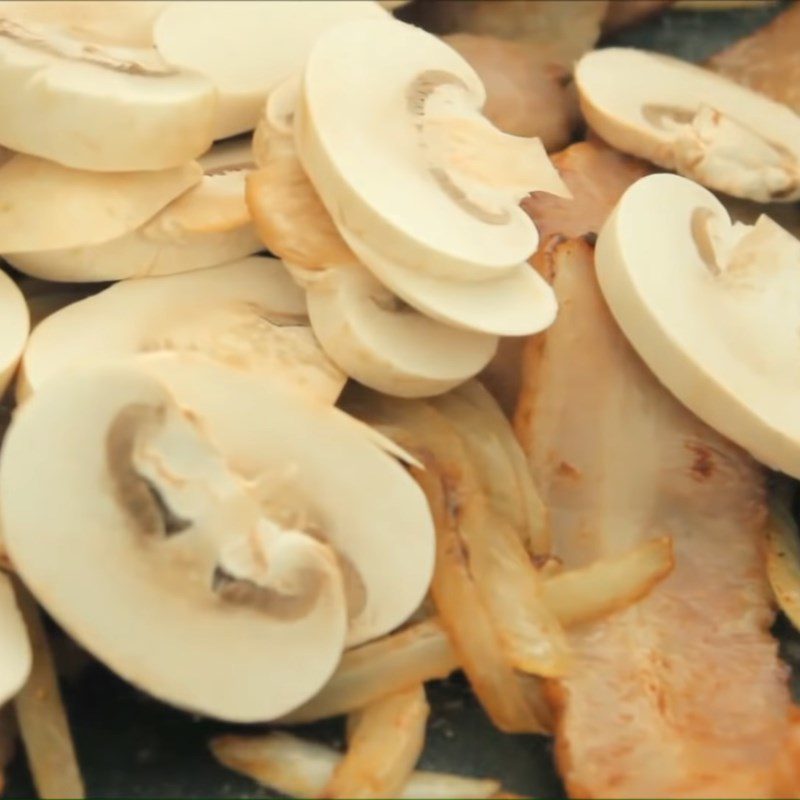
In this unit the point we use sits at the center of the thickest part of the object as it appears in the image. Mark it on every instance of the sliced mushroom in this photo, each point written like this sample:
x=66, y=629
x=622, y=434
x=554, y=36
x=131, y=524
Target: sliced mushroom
x=685, y=118
x=712, y=308
x=514, y=304
x=247, y=314
x=385, y=344
x=404, y=158
x=97, y=107
x=287, y=212
x=256, y=45
x=207, y=225
x=44, y=206
x=128, y=23
x=143, y=526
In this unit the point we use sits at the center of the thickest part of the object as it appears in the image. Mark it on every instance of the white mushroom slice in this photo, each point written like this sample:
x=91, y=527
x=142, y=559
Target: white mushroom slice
x=44, y=206
x=122, y=514
x=15, y=647
x=688, y=119
x=208, y=225
x=255, y=45
x=516, y=304
x=712, y=308
x=14, y=328
x=404, y=158
x=111, y=22
x=98, y=107
x=371, y=512
x=248, y=314
x=386, y=345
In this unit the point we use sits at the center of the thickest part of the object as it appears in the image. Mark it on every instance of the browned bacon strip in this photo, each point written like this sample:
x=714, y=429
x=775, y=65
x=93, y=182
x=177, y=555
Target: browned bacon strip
x=683, y=694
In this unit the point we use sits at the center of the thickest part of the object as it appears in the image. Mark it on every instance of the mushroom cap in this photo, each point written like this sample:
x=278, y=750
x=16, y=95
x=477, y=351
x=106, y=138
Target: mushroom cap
x=711, y=308
x=367, y=506
x=255, y=45
x=97, y=107
x=385, y=345
x=45, y=206
x=207, y=225
x=15, y=651
x=690, y=120
x=404, y=158
x=516, y=304
x=14, y=328
x=248, y=314
x=77, y=541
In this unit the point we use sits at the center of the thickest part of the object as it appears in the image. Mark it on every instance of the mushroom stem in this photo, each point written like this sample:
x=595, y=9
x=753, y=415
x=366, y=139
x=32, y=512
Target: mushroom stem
x=247, y=557
x=711, y=143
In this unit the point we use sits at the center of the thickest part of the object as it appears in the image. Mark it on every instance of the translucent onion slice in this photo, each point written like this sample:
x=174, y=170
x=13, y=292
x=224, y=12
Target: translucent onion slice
x=384, y=745
x=299, y=768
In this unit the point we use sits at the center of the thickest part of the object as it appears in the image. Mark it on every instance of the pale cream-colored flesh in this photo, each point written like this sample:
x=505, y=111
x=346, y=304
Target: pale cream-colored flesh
x=682, y=694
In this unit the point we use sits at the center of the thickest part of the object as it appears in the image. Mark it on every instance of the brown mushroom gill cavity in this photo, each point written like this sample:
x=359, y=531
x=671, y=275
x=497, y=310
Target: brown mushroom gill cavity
x=418, y=95
x=245, y=592
x=116, y=59
x=243, y=581
x=699, y=225
x=141, y=499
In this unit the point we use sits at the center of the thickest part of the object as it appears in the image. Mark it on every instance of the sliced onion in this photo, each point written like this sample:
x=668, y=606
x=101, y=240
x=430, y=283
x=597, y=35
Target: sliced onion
x=42, y=717
x=299, y=768
x=384, y=745
x=609, y=584
x=394, y=663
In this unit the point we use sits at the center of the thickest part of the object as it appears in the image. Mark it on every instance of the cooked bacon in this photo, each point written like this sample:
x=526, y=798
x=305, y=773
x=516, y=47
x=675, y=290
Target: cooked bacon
x=683, y=694
x=768, y=60
x=597, y=175
x=631, y=12
x=525, y=95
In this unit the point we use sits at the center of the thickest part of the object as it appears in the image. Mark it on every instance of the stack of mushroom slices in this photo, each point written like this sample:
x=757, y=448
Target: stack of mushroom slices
x=710, y=304
x=396, y=205
x=112, y=103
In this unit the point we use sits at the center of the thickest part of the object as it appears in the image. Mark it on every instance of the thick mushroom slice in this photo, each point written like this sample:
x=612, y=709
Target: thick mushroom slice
x=405, y=159
x=97, y=107
x=370, y=511
x=687, y=119
x=381, y=342
x=255, y=45
x=205, y=226
x=122, y=513
x=45, y=207
x=127, y=23
x=248, y=314
x=712, y=308
x=513, y=304
x=14, y=328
